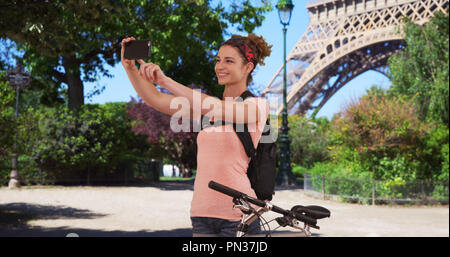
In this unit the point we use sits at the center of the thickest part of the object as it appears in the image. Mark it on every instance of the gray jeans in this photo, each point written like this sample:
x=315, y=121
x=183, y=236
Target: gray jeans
x=214, y=227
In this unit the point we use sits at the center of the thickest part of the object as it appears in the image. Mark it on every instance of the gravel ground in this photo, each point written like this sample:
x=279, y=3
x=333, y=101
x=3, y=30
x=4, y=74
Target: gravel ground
x=163, y=210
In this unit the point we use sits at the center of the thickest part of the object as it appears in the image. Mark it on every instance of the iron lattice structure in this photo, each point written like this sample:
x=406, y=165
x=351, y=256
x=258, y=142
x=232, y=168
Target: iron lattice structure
x=344, y=39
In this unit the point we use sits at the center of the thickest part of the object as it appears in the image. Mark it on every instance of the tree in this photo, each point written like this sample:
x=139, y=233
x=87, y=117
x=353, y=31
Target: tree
x=420, y=71
x=180, y=147
x=69, y=42
x=379, y=130
x=308, y=140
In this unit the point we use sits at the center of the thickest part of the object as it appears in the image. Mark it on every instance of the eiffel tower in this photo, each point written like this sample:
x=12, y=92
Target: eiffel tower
x=344, y=39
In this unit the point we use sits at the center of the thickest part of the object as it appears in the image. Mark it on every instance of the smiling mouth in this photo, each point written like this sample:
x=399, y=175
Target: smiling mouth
x=221, y=75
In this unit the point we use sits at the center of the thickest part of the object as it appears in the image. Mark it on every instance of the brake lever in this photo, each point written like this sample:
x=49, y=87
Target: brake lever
x=242, y=205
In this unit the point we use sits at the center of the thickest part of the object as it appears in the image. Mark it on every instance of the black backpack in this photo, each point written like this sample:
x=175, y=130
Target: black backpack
x=262, y=167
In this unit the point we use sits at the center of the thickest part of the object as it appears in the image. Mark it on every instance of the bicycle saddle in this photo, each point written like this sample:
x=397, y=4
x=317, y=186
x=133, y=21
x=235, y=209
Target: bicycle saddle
x=313, y=211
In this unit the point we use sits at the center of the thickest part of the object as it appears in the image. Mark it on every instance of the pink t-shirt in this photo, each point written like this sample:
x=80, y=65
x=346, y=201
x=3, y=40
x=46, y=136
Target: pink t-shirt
x=221, y=157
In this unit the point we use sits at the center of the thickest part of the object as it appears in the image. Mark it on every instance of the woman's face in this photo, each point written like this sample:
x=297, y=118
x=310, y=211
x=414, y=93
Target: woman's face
x=230, y=68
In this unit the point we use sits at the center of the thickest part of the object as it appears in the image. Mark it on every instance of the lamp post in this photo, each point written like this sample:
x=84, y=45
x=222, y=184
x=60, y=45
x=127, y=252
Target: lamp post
x=284, y=175
x=18, y=79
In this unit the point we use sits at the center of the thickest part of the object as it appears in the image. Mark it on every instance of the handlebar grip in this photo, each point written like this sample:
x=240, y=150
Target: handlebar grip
x=234, y=193
x=225, y=190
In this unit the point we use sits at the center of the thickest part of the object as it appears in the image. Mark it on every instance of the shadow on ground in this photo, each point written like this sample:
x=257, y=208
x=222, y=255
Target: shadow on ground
x=70, y=232
x=14, y=218
x=16, y=215
x=174, y=185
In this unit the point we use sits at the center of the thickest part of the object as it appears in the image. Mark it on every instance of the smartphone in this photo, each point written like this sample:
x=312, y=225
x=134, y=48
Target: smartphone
x=138, y=49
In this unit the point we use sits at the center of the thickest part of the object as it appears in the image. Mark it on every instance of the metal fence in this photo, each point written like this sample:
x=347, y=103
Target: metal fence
x=376, y=191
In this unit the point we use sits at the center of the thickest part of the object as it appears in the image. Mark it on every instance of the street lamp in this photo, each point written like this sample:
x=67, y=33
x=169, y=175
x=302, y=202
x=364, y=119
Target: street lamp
x=284, y=175
x=284, y=11
x=18, y=79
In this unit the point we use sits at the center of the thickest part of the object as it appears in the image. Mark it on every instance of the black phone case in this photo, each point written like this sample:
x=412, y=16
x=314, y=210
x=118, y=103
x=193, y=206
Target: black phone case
x=138, y=49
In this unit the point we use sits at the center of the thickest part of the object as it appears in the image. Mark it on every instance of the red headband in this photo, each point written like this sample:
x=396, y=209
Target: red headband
x=246, y=51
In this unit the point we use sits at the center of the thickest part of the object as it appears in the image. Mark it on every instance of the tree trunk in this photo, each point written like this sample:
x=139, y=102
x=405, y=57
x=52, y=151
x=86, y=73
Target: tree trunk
x=182, y=170
x=73, y=75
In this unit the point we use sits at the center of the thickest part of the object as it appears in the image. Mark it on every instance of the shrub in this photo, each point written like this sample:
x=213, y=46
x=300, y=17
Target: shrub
x=7, y=121
x=383, y=135
x=308, y=140
x=93, y=143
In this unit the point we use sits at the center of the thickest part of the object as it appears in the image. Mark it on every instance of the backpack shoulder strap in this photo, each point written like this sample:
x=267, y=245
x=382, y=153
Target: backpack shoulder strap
x=244, y=136
x=246, y=95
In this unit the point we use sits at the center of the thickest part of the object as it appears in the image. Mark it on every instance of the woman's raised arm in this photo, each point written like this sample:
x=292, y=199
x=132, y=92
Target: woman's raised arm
x=236, y=112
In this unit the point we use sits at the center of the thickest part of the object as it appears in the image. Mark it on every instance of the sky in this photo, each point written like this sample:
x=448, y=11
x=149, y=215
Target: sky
x=120, y=89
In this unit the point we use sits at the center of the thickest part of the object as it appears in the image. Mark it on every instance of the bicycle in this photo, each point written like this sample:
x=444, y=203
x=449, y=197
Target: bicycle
x=308, y=215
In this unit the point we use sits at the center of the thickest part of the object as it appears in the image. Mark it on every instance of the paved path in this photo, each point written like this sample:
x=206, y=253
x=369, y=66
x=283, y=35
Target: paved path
x=163, y=210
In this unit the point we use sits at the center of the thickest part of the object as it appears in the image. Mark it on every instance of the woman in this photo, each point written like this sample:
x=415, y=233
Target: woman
x=221, y=156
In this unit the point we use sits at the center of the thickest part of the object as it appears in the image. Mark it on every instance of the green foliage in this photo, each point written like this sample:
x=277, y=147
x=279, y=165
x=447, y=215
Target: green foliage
x=71, y=42
x=338, y=179
x=7, y=121
x=96, y=138
x=420, y=71
x=381, y=131
x=308, y=140
x=379, y=143
x=96, y=142
x=445, y=163
x=298, y=171
x=246, y=15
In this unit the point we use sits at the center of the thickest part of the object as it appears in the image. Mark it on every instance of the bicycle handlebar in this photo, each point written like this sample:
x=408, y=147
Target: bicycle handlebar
x=236, y=194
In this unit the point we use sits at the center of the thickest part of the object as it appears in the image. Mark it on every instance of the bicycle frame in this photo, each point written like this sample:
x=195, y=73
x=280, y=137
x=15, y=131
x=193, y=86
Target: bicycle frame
x=249, y=215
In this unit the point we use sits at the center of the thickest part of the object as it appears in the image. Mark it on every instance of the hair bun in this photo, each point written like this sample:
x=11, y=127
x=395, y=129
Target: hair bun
x=260, y=45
